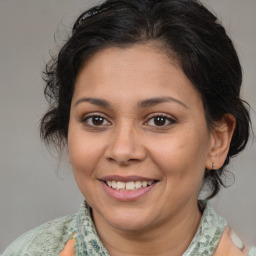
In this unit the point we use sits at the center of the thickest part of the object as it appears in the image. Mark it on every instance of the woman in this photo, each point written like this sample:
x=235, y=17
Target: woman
x=145, y=94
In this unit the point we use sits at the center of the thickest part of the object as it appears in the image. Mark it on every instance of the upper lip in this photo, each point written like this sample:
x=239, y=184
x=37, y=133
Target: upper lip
x=125, y=178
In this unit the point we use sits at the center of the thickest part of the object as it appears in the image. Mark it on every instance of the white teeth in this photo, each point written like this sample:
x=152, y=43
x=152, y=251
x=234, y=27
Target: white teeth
x=138, y=184
x=114, y=184
x=144, y=184
x=120, y=185
x=131, y=185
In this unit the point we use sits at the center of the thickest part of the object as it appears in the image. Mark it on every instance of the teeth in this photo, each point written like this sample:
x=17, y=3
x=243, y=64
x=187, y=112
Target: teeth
x=138, y=184
x=114, y=184
x=131, y=185
x=144, y=184
x=120, y=185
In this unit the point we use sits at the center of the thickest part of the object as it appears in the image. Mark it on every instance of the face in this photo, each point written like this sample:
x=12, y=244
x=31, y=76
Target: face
x=138, y=138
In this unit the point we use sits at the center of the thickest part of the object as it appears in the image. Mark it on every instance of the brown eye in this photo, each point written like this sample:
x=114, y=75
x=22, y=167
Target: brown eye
x=95, y=120
x=160, y=120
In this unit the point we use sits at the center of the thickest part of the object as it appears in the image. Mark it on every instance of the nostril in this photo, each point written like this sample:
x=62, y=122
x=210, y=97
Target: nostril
x=124, y=152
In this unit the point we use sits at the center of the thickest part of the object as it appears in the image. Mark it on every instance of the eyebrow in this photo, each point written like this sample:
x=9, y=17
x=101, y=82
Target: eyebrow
x=154, y=101
x=94, y=101
x=141, y=104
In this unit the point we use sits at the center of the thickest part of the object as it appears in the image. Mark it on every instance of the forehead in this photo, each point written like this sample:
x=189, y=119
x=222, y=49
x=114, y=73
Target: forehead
x=140, y=71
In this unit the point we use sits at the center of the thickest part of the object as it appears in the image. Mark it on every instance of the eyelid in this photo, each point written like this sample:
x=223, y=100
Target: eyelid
x=168, y=117
x=171, y=119
x=94, y=114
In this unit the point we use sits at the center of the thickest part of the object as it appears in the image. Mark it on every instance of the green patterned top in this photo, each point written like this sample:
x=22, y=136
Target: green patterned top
x=50, y=238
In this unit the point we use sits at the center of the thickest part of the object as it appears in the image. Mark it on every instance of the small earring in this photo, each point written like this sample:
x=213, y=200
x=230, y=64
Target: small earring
x=213, y=166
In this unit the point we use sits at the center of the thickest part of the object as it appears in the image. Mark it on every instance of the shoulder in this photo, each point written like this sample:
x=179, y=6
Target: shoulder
x=46, y=239
x=252, y=251
x=231, y=244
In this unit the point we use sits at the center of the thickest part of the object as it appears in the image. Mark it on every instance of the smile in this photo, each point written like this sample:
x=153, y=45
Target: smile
x=128, y=186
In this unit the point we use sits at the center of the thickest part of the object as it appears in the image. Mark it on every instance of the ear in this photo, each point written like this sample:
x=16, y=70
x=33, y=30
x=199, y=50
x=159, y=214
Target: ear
x=221, y=136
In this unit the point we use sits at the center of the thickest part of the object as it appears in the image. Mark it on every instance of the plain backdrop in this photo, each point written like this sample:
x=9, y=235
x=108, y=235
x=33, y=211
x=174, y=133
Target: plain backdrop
x=34, y=188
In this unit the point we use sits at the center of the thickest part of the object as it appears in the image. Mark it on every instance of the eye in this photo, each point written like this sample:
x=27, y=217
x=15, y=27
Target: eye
x=95, y=120
x=160, y=120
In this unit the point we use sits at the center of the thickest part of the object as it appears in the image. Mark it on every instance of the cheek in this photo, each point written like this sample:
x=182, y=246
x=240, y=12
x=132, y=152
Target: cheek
x=84, y=151
x=181, y=156
x=84, y=155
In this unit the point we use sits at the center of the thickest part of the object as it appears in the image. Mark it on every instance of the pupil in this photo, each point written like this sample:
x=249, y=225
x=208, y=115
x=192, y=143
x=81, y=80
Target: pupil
x=159, y=120
x=97, y=120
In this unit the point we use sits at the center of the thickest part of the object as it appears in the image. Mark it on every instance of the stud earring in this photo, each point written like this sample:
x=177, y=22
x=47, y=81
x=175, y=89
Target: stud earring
x=213, y=166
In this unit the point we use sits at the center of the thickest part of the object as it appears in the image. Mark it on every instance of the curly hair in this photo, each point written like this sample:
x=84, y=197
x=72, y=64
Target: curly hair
x=185, y=28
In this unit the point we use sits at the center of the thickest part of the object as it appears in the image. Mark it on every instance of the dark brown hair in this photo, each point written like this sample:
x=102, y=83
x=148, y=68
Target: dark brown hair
x=184, y=27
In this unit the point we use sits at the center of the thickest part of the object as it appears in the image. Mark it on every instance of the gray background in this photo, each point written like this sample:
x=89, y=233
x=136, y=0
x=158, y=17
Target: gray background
x=34, y=188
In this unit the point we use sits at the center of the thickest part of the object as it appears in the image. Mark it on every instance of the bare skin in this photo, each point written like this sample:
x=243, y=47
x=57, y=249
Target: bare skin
x=135, y=113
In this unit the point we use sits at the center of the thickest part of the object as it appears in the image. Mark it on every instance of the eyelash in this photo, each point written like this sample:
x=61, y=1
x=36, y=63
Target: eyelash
x=152, y=117
x=86, y=118
x=166, y=118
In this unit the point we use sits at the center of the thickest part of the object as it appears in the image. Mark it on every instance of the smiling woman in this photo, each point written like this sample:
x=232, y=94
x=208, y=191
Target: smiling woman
x=128, y=140
x=146, y=96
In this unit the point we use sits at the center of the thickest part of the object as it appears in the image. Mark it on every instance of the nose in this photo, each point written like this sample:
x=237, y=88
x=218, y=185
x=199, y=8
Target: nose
x=125, y=146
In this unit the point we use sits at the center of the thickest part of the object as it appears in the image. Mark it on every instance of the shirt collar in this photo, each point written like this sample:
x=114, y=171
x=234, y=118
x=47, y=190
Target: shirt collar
x=204, y=243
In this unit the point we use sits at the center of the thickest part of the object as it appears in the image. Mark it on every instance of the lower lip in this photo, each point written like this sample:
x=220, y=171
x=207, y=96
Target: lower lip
x=127, y=195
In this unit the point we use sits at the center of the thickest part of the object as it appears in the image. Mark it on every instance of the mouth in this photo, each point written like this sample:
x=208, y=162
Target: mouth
x=127, y=183
x=128, y=186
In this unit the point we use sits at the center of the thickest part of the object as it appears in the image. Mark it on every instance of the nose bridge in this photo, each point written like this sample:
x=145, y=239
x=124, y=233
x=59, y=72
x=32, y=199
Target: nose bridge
x=124, y=143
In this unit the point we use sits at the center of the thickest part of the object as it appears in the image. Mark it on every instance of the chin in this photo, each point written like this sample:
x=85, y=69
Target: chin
x=129, y=225
x=132, y=220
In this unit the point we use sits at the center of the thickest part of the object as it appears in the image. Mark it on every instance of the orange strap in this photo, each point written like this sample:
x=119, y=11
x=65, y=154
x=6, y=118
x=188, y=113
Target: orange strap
x=69, y=248
x=230, y=245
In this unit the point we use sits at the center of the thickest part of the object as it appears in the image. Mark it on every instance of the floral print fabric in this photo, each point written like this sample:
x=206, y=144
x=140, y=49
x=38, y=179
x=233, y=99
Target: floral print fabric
x=49, y=239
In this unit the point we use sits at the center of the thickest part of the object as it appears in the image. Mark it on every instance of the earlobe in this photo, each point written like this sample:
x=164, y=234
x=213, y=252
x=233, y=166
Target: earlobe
x=221, y=136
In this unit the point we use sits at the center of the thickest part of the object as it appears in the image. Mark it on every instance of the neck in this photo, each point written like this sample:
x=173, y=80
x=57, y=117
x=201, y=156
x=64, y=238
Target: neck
x=171, y=237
